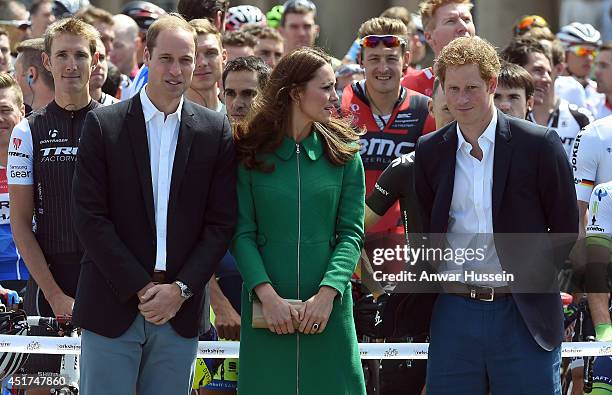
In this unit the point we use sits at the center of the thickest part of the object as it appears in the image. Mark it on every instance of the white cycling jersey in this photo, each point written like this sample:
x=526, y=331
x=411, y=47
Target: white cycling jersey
x=599, y=226
x=601, y=108
x=567, y=120
x=591, y=158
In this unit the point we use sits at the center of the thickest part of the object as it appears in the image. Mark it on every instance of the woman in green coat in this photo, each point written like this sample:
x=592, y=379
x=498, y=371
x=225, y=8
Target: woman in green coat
x=301, y=193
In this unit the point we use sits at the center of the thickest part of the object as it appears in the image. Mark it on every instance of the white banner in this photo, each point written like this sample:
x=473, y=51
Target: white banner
x=72, y=345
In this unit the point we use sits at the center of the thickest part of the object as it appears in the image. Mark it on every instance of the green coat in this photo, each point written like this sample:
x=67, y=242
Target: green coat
x=300, y=227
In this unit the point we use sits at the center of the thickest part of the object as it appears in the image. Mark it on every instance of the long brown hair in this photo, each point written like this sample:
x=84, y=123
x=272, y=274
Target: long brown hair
x=268, y=120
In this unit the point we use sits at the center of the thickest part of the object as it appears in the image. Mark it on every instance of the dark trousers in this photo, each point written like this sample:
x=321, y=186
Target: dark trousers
x=478, y=347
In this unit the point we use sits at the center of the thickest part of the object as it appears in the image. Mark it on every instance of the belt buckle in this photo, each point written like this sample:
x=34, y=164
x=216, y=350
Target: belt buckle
x=474, y=295
x=489, y=299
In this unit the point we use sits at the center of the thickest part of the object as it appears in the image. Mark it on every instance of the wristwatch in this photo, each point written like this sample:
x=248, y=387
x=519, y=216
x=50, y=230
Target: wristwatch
x=185, y=291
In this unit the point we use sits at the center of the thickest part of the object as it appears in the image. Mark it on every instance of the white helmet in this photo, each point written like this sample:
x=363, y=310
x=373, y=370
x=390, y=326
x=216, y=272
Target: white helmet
x=243, y=14
x=579, y=33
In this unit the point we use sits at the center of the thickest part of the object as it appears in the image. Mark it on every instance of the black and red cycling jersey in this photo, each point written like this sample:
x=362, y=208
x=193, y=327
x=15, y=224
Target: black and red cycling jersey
x=421, y=81
x=379, y=146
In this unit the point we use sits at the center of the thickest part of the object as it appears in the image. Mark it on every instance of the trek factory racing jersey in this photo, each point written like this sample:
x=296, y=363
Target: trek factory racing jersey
x=396, y=184
x=421, y=81
x=592, y=157
x=567, y=120
x=42, y=153
x=387, y=139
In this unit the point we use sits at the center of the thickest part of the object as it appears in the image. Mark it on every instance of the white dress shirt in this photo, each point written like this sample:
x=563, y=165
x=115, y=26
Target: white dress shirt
x=471, y=210
x=162, y=135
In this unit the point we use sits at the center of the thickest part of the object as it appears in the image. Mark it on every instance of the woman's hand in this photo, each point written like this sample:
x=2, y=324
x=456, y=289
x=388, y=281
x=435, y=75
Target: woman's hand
x=277, y=312
x=316, y=311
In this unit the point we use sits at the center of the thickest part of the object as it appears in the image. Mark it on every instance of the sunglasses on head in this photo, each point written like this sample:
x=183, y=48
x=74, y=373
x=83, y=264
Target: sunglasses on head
x=582, y=51
x=529, y=22
x=388, y=41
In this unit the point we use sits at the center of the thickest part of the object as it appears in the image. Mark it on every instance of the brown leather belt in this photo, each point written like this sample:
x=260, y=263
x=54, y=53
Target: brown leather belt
x=476, y=292
x=159, y=277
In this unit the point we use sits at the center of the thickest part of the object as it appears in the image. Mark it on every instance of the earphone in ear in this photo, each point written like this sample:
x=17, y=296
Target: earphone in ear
x=30, y=79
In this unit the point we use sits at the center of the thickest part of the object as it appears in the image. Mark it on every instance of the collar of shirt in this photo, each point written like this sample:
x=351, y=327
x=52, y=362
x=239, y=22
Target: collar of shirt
x=489, y=133
x=149, y=110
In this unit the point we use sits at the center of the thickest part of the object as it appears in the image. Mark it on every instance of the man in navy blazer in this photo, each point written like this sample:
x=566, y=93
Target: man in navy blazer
x=154, y=204
x=486, y=175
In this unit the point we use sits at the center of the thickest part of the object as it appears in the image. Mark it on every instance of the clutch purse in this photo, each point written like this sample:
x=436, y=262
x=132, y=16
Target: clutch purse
x=258, y=321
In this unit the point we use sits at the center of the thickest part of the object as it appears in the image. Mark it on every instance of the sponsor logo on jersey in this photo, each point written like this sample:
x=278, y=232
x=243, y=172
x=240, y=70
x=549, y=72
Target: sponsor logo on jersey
x=575, y=153
x=406, y=158
x=569, y=141
x=16, y=143
x=601, y=193
x=404, y=120
x=595, y=229
x=354, y=107
x=381, y=189
x=20, y=173
x=379, y=149
x=18, y=154
x=59, y=154
x=53, y=141
x=53, y=133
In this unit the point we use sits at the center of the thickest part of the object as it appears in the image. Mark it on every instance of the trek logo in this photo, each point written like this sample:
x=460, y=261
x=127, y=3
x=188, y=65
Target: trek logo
x=16, y=143
x=379, y=149
x=18, y=154
x=59, y=154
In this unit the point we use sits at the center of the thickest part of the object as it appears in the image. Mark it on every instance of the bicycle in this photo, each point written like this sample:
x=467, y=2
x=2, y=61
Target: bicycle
x=66, y=381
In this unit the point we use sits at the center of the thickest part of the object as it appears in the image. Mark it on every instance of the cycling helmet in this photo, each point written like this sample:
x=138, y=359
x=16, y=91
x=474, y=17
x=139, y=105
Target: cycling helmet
x=12, y=323
x=274, y=16
x=243, y=14
x=143, y=12
x=579, y=33
x=65, y=8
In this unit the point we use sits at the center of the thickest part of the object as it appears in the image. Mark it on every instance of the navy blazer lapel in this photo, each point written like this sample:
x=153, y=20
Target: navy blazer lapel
x=447, y=155
x=501, y=161
x=183, y=146
x=136, y=128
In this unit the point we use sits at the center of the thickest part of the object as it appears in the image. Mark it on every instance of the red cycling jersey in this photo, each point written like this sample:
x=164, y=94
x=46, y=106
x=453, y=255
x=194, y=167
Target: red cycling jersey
x=421, y=81
x=379, y=146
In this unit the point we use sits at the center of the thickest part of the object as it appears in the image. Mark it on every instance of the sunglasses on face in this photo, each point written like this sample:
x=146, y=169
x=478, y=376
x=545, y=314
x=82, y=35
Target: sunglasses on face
x=387, y=40
x=529, y=22
x=583, y=51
